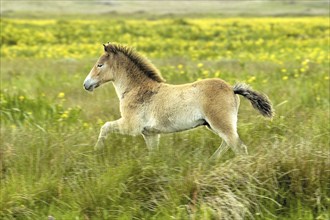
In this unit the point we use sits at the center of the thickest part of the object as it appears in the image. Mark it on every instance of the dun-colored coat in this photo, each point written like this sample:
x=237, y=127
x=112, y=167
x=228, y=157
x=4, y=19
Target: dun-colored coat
x=150, y=107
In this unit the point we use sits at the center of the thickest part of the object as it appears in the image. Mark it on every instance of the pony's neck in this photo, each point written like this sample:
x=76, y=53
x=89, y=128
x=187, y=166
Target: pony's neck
x=126, y=82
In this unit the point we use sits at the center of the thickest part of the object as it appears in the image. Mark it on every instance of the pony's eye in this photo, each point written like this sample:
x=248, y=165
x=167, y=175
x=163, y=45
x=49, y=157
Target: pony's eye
x=99, y=65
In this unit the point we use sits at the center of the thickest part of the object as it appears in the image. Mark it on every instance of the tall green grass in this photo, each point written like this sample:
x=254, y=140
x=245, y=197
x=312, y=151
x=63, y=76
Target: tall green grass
x=49, y=166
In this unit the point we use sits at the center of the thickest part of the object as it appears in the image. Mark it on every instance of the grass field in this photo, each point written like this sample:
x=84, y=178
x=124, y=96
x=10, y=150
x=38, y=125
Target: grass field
x=49, y=124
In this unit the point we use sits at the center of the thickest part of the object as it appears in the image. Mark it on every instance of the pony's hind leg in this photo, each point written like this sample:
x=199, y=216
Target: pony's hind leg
x=231, y=140
x=225, y=127
x=221, y=150
x=239, y=147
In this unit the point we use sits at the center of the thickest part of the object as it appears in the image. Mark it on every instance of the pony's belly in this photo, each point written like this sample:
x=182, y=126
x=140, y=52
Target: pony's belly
x=176, y=127
x=174, y=124
x=173, y=112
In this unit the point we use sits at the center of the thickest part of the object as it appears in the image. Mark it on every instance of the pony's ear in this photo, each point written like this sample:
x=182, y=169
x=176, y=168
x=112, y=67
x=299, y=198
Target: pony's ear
x=110, y=48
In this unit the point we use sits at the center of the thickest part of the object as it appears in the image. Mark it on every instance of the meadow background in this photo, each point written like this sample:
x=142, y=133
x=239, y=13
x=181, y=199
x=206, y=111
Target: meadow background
x=49, y=124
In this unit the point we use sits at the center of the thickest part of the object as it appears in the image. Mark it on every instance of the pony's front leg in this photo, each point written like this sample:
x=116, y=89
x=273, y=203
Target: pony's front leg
x=108, y=127
x=152, y=141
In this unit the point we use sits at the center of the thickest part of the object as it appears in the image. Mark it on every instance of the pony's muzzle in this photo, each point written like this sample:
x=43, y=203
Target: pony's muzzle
x=88, y=87
x=90, y=84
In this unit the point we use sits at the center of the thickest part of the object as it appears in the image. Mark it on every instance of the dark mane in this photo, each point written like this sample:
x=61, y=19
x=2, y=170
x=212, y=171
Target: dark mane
x=140, y=61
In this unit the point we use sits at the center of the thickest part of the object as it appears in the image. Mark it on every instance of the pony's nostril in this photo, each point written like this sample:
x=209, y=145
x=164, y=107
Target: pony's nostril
x=87, y=87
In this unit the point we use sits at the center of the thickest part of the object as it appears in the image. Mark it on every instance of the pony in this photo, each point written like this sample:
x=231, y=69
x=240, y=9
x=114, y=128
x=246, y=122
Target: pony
x=150, y=107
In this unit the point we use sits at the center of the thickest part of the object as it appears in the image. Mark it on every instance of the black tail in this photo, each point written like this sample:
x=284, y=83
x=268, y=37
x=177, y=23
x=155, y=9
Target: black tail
x=259, y=101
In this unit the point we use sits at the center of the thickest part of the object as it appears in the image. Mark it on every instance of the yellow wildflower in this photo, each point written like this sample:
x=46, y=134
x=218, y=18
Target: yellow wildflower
x=65, y=115
x=217, y=74
x=305, y=62
x=251, y=79
x=285, y=78
x=61, y=95
x=200, y=65
x=205, y=72
x=100, y=122
x=21, y=98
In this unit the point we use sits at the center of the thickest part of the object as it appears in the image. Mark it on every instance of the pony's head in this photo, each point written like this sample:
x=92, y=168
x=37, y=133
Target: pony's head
x=102, y=71
x=118, y=60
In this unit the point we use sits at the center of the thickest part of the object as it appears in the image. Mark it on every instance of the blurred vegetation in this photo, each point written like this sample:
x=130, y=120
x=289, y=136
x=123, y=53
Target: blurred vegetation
x=109, y=9
x=49, y=124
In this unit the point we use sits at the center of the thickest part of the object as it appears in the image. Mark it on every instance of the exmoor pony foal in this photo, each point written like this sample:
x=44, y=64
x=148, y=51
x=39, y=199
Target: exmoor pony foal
x=150, y=107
